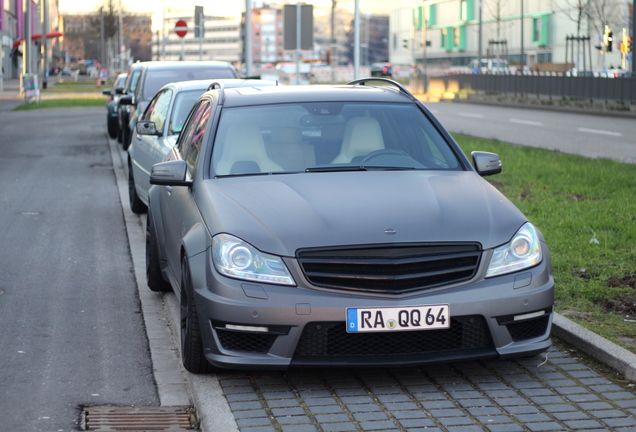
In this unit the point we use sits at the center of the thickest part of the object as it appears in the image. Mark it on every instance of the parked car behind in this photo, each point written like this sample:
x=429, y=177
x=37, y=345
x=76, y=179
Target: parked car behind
x=155, y=75
x=158, y=128
x=112, y=101
x=339, y=226
x=123, y=111
x=382, y=70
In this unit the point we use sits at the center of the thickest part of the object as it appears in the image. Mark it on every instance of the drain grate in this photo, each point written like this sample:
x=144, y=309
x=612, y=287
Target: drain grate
x=138, y=419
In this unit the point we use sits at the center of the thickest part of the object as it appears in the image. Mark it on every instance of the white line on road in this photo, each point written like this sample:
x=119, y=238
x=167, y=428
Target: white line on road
x=465, y=114
x=526, y=122
x=600, y=132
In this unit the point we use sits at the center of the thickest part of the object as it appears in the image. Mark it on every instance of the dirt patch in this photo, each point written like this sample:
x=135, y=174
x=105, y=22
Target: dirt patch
x=622, y=304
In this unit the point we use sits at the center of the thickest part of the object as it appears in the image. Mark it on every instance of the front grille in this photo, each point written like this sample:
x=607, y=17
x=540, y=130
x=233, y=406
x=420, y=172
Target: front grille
x=330, y=339
x=390, y=269
x=528, y=329
x=244, y=341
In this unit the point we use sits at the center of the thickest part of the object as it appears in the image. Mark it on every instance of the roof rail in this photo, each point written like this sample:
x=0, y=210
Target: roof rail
x=401, y=88
x=221, y=87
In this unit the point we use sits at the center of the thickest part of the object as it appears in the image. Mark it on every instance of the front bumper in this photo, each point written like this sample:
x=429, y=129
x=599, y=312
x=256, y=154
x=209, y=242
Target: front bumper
x=246, y=325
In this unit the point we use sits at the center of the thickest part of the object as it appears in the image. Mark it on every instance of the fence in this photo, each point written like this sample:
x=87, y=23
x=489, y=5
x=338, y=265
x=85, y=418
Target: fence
x=594, y=89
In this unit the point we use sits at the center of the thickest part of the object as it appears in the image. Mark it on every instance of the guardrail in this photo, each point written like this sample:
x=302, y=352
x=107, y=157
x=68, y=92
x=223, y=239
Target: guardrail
x=593, y=89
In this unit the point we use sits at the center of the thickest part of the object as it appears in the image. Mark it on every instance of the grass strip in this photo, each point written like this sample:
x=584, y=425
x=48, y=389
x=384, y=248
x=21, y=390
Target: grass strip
x=62, y=103
x=586, y=209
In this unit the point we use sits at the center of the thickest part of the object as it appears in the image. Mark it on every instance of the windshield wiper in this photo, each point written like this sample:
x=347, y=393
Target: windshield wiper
x=336, y=168
x=357, y=168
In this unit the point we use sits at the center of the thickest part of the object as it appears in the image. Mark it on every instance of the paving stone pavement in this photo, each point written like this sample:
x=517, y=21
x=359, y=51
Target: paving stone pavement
x=527, y=395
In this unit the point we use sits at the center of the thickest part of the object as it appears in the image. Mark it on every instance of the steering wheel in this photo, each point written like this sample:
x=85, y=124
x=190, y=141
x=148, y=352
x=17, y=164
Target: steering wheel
x=384, y=152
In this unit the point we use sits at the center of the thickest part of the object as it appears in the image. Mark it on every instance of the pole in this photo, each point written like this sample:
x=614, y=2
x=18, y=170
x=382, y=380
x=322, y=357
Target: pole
x=522, y=51
x=356, y=40
x=298, y=36
x=332, y=57
x=122, y=46
x=27, y=37
x=481, y=24
x=201, y=27
x=45, y=43
x=248, y=37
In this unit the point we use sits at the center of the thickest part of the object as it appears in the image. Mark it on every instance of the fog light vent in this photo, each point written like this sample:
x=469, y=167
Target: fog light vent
x=139, y=419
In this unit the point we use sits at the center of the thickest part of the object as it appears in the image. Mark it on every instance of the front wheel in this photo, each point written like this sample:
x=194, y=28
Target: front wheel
x=191, y=341
x=113, y=127
x=136, y=204
x=154, y=278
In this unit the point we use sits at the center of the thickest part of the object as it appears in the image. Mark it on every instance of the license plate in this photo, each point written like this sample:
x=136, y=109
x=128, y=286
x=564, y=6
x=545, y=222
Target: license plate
x=398, y=319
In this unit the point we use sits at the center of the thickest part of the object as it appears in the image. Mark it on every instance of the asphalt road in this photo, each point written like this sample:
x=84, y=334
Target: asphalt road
x=72, y=329
x=584, y=134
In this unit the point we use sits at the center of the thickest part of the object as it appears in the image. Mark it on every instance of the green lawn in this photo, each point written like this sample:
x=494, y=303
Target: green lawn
x=62, y=103
x=586, y=209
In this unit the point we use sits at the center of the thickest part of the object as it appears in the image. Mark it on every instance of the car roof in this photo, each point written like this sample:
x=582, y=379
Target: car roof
x=186, y=64
x=243, y=96
x=226, y=82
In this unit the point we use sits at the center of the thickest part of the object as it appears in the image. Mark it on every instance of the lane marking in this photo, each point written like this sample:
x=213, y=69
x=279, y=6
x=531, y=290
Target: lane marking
x=526, y=122
x=600, y=132
x=465, y=114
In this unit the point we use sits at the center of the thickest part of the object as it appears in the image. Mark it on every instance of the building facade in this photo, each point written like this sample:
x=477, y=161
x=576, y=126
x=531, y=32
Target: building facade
x=544, y=31
x=93, y=36
x=220, y=39
x=12, y=31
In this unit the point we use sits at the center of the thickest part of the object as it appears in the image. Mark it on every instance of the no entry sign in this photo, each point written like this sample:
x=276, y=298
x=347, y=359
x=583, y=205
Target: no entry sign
x=181, y=28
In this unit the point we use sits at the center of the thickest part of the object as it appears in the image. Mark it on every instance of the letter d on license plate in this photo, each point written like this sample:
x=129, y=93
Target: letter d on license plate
x=398, y=319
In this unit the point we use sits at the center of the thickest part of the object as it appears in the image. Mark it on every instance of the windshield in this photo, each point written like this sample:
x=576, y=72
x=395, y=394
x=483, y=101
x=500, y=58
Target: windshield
x=328, y=137
x=159, y=78
x=183, y=103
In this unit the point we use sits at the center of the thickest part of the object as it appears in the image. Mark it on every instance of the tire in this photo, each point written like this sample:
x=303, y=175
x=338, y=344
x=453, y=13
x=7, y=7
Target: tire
x=113, y=127
x=154, y=278
x=120, y=133
x=125, y=138
x=191, y=341
x=136, y=204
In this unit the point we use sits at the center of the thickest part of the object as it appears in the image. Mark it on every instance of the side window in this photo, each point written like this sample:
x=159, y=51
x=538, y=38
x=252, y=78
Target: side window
x=193, y=129
x=160, y=110
x=192, y=154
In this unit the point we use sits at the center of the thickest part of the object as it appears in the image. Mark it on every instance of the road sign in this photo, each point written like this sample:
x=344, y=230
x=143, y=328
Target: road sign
x=181, y=28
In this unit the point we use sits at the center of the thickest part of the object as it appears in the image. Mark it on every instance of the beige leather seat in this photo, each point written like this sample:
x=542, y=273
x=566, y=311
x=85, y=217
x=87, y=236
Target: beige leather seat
x=288, y=150
x=362, y=136
x=244, y=144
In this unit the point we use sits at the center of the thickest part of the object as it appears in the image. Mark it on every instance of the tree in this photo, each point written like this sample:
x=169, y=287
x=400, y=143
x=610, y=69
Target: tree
x=576, y=10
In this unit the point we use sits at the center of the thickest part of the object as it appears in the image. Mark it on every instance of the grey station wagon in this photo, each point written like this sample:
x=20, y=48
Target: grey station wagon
x=339, y=226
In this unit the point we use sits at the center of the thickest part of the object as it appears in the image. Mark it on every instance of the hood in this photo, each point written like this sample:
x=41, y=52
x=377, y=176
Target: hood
x=282, y=213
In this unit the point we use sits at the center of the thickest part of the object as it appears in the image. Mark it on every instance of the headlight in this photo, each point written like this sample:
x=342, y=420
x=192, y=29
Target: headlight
x=523, y=251
x=234, y=258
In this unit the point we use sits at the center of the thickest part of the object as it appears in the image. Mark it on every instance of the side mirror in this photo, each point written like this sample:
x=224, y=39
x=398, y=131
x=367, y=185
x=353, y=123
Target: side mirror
x=119, y=90
x=126, y=100
x=107, y=93
x=169, y=173
x=486, y=163
x=147, y=128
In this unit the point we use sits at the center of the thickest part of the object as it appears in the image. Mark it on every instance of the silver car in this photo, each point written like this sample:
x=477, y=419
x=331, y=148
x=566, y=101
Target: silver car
x=159, y=127
x=340, y=226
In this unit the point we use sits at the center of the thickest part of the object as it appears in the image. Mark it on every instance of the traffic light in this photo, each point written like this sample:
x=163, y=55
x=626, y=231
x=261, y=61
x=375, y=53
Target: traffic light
x=610, y=41
x=628, y=48
x=405, y=43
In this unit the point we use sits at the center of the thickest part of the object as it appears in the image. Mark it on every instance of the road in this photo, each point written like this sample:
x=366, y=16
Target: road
x=585, y=134
x=72, y=332
x=73, y=336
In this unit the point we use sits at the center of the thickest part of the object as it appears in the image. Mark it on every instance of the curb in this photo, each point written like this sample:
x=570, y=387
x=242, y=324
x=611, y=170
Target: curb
x=597, y=346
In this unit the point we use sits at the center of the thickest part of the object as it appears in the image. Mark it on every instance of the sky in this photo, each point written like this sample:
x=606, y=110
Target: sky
x=216, y=7
x=226, y=8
